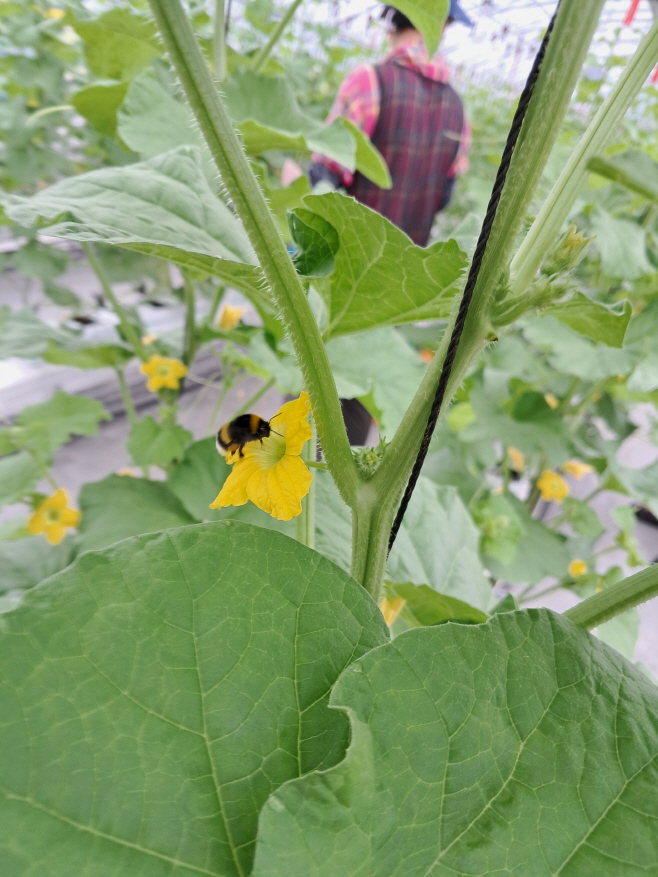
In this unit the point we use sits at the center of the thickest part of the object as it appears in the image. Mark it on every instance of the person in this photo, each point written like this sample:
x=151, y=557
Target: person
x=411, y=113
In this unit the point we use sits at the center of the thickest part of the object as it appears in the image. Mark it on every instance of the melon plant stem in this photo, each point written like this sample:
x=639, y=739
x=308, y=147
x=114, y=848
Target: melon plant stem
x=219, y=42
x=250, y=205
x=616, y=599
x=562, y=197
x=264, y=53
x=574, y=27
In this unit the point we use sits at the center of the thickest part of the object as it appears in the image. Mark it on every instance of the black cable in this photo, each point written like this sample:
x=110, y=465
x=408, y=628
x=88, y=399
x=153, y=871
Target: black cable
x=451, y=353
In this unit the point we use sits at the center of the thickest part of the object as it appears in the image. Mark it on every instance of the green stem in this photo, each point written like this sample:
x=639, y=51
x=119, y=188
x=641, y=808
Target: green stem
x=45, y=471
x=128, y=329
x=219, y=42
x=217, y=299
x=264, y=53
x=314, y=464
x=128, y=403
x=228, y=374
x=243, y=189
x=189, y=339
x=306, y=521
x=563, y=195
x=616, y=599
x=566, y=52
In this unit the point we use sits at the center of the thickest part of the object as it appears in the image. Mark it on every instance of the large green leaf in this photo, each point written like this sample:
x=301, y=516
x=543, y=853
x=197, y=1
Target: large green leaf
x=118, y=44
x=163, y=207
x=151, y=443
x=50, y=424
x=597, y=321
x=120, y=506
x=438, y=546
x=99, y=104
x=381, y=278
x=18, y=475
x=518, y=747
x=156, y=693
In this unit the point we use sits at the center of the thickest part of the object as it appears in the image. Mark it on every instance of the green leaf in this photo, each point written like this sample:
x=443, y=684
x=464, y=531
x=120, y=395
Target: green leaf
x=87, y=356
x=163, y=201
x=622, y=245
x=522, y=746
x=500, y=527
x=150, y=443
x=382, y=278
x=378, y=363
x=120, y=506
x=18, y=475
x=27, y=562
x=167, y=687
x=604, y=323
x=582, y=518
x=51, y=424
x=572, y=354
x=61, y=296
x=427, y=16
x=621, y=633
x=118, y=44
x=369, y=159
x=333, y=521
x=428, y=608
x=99, y=104
x=38, y=260
x=634, y=169
x=317, y=240
x=438, y=546
x=24, y=335
x=539, y=551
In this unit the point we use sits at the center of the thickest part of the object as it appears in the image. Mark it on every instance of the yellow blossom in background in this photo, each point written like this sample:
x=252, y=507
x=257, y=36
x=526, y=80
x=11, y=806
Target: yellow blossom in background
x=390, y=609
x=516, y=458
x=271, y=473
x=127, y=471
x=53, y=516
x=551, y=400
x=426, y=355
x=577, y=469
x=577, y=568
x=552, y=486
x=230, y=317
x=149, y=339
x=163, y=372
x=55, y=13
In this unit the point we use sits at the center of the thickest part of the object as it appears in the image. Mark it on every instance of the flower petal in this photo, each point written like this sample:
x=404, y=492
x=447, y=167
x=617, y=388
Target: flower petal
x=59, y=500
x=55, y=533
x=69, y=517
x=291, y=421
x=37, y=523
x=287, y=483
x=234, y=491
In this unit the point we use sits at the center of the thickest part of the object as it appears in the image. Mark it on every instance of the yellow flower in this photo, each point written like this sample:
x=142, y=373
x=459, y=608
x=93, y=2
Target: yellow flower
x=551, y=400
x=230, y=317
x=516, y=458
x=577, y=568
x=577, y=469
x=390, y=609
x=163, y=372
x=149, y=339
x=552, y=486
x=54, y=13
x=271, y=473
x=53, y=516
x=127, y=471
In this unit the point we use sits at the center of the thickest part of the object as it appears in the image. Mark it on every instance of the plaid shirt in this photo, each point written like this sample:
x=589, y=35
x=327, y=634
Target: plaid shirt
x=359, y=100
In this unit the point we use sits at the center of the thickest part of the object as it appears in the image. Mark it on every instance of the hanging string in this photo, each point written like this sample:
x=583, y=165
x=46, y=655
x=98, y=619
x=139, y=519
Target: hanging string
x=476, y=263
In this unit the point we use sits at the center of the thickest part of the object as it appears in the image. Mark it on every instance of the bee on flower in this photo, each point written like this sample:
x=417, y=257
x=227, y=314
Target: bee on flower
x=163, y=372
x=53, y=516
x=269, y=470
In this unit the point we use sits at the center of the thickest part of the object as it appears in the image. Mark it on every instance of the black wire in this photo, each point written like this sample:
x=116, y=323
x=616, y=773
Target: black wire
x=451, y=353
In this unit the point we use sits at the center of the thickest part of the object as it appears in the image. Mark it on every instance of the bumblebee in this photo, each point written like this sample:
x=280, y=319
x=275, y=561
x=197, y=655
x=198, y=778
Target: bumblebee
x=235, y=434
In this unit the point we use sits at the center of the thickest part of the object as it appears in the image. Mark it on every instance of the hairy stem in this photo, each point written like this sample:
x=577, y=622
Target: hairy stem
x=306, y=521
x=616, y=599
x=219, y=42
x=264, y=53
x=189, y=338
x=250, y=205
x=128, y=403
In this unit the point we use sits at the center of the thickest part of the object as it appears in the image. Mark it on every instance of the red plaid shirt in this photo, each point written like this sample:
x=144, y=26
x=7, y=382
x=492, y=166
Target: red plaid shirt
x=358, y=100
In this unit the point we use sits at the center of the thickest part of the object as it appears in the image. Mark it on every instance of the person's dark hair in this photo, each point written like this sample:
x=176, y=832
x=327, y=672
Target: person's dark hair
x=396, y=19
